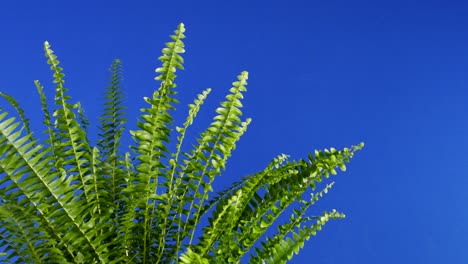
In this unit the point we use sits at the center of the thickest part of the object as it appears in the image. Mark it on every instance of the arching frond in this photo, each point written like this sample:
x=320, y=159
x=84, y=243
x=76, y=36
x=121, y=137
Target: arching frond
x=297, y=219
x=268, y=194
x=222, y=195
x=19, y=110
x=284, y=250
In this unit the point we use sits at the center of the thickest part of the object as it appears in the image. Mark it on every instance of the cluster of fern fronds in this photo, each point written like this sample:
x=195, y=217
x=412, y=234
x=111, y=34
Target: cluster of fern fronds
x=65, y=200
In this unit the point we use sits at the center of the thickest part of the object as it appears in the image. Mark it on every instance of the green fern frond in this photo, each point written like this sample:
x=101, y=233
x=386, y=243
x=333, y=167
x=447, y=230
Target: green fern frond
x=127, y=218
x=82, y=118
x=112, y=120
x=296, y=220
x=57, y=156
x=171, y=60
x=222, y=195
x=284, y=250
x=111, y=165
x=153, y=135
x=95, y=182
x=19, y=110
x=71, y=138
x=268, y=194
x=174, y=183
x=210, y=156
x=222, y=222
x=293, y=183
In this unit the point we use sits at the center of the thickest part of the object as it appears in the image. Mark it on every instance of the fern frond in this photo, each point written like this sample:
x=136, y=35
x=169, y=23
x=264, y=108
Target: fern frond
x=57, y=155
x=295, y=221
x=284, y=250
x=153, y=136
x=268, y=194
x=174, y=183
x=95, y=173
x=222, y=222
x=171, y=60
x=71, y=138
x=111, y=162
x=82, y=118
x=19, y=110
x=222, y=195
x=210, y=157
x=126, y=219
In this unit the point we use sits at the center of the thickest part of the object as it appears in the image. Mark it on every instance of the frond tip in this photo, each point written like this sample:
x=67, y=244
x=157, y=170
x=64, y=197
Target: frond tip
x=171, y=58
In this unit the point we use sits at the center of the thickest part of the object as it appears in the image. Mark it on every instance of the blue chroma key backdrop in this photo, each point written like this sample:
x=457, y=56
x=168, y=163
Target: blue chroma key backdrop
x=322, y=74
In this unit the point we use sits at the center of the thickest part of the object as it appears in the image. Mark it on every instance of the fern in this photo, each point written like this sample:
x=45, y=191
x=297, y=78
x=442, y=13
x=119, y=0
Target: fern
x=66, y=200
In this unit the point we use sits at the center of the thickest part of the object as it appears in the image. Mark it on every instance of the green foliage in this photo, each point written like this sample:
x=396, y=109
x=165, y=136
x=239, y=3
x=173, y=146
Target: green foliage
x=63, y=200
